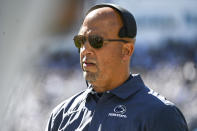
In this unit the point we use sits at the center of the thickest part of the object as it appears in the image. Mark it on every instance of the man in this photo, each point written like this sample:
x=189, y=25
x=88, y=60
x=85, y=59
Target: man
x=115, y=100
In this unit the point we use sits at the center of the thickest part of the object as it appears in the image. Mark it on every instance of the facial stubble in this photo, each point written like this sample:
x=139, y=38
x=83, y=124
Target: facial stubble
x=90, y=76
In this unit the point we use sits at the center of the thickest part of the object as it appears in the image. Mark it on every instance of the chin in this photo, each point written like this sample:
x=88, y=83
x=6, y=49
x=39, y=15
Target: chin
x=90, y=76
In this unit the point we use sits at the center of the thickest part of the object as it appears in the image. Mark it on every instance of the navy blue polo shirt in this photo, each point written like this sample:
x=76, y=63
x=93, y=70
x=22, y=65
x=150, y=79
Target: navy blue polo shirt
x=129, y=107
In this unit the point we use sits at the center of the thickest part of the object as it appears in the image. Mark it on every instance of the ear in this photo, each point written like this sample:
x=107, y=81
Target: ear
x=127, y=51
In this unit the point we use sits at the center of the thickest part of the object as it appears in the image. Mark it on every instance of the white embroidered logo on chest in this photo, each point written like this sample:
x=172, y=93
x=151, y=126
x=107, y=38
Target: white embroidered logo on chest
x=119, y=111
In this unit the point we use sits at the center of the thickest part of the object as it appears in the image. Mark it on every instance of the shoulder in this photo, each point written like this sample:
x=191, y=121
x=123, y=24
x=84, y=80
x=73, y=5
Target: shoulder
x=148, y=102
x=161, y=114
x=64, y=107
x=156, y=98
x=154, y=103
x=68, y=103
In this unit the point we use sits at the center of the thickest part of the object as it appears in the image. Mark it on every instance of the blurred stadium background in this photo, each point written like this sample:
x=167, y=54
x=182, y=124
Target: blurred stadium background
x=39, y=65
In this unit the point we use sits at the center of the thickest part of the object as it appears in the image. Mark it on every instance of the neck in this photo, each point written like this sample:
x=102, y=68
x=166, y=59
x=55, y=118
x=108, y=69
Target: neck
x=112, y=83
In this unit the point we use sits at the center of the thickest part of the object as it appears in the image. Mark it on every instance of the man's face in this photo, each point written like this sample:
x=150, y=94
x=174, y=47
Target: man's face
x=100, y=65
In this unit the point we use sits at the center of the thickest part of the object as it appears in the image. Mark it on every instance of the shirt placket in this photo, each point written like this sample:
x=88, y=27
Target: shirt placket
x=99, y=113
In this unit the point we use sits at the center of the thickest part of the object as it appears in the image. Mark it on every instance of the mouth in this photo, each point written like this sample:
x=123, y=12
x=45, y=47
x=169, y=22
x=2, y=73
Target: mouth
x=88, y=64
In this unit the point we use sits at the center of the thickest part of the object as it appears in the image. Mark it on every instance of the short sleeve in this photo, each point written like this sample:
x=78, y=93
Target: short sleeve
x=168, y=118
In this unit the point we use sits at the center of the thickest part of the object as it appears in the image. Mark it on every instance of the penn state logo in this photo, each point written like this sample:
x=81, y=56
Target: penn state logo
x=120, y=109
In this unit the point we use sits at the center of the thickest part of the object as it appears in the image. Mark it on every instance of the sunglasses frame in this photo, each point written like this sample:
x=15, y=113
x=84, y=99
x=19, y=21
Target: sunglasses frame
x=78, y=43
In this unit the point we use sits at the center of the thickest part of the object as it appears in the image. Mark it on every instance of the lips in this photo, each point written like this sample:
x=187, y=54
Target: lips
x=88, y=63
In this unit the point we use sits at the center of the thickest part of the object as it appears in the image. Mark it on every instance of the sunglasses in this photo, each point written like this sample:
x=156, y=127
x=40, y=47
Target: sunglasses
x=94, y=40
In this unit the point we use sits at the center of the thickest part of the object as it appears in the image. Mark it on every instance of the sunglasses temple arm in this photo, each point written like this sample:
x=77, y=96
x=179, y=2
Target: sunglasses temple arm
x=116, y=40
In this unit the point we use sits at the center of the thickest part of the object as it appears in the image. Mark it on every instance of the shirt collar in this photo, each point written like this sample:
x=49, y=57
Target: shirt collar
x=130, y=87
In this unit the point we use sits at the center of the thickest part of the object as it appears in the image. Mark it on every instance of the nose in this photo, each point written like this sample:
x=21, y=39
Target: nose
x=86, y=49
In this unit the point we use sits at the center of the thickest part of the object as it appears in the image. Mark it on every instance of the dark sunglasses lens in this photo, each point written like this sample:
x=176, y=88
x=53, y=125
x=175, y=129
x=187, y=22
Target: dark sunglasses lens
x=96, y=41
x=79, y=41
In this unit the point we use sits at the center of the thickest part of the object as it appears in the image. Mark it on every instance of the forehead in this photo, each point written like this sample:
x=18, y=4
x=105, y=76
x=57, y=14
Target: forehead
x=102, y=21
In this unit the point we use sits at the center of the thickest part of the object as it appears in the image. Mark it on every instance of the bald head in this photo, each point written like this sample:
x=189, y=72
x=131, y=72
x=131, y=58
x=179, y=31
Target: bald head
x=105, y=12
x=104, y=19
